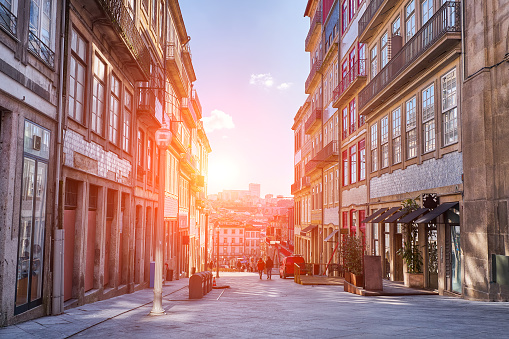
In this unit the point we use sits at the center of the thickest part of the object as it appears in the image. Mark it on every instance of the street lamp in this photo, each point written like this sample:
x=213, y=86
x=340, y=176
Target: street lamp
x=163, y=139
x=217, y=254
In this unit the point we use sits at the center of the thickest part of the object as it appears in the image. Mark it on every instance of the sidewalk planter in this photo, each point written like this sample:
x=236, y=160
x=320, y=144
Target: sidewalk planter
x=355, y=279
x=414, y=280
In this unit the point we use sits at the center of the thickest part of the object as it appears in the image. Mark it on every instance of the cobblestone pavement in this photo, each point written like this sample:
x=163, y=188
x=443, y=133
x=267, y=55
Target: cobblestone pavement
x=254, y=308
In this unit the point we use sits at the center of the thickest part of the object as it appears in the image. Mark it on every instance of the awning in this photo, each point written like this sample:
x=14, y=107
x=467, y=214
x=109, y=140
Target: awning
x=439, y=210
x=395, y=216
x=386, y=214
x=374, y=215
x=412, y=216
x=308, y=229
x=330, y=235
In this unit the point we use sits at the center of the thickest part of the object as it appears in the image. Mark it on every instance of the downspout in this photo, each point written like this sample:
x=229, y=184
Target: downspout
x=58, y=237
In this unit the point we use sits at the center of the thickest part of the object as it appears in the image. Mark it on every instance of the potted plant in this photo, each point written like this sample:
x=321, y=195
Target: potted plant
x=351, y=251
x=410, y=252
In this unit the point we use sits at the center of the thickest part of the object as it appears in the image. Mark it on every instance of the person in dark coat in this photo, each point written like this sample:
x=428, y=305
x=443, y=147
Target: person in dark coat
x=269, y=265
x=260, y=265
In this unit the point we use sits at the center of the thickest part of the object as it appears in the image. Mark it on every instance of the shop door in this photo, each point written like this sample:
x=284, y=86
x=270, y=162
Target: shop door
x=90, y=251
x=69, y=222
x=455, y=260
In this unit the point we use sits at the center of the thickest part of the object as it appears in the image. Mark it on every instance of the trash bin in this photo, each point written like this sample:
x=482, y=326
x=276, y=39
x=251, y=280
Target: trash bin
x=169, y=275
x=193, y=270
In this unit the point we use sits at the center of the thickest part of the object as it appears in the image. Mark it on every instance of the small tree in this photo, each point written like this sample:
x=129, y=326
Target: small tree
x=410, y=251
x=351, y=251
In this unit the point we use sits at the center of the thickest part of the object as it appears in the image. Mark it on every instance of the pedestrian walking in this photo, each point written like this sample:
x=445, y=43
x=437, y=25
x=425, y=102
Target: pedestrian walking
x=261, y=266
x=269, y=264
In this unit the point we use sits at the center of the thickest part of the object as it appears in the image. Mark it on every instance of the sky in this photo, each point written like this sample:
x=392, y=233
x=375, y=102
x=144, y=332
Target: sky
x=251, y=67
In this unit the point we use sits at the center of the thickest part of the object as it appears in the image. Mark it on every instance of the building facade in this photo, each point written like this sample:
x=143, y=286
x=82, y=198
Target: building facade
x=93, y=157
x=30, y=108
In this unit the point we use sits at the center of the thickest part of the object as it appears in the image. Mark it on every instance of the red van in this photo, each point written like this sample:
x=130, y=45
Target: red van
x=286, y=268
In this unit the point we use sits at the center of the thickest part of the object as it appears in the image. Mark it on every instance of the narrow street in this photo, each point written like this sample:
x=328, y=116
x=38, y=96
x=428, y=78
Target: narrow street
x=254, y=308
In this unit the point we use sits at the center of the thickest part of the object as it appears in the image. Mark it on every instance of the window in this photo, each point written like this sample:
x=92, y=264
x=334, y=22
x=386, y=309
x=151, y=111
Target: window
x=344, y=17
x=353, y=164
x=98, y=94
x=233, y=231
x=426, y=10
x=353, y=116
x=373, y=64
x=428, y=118
x=126, y=130
x=374, y=145
x=40, y=29
x=77, y=77
x=345, y=168
x=411, y=133
x=351, y=9
x=362, y=160
x=113, y=123
x=384, y=50
x=396, y=27
x=449, y=108
x=396, y=136
x=384, y=140
x=410, y=20
x=345, y=122
x=140, y=149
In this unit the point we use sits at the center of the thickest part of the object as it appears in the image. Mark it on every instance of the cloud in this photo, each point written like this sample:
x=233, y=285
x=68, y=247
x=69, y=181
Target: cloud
x=218, y=120
x=284, y=86
x=265, y=80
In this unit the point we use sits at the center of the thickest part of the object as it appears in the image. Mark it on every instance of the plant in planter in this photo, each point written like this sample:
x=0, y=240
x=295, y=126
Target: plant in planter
x=410, y=251
x=351, y=251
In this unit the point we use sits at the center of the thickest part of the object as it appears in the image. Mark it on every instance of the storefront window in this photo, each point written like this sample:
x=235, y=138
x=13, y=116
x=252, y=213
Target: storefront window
x=33, y=217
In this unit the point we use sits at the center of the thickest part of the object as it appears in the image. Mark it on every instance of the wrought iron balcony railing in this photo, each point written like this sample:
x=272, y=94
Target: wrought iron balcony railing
x=126, y=28
x=188, y=113
x=40, y=49
x=196, y=104
x=7, y=19
x=175, y=70
x=358, y=70
x=445, y=20
x=312, y=75
x=188, y=63
x=369, y=13
x=314, y=120
x=150, y=109
x=315, y=23
x=329, y=153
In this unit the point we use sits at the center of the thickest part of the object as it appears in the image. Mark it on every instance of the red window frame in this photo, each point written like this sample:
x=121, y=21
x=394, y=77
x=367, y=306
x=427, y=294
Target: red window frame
x=351, y=9
x=362, y=151
x=346, y=168
x=344, y=16
x=353, y=228
x=352, y=107
x=353, y=164
x=345, y=220
x=345, y=122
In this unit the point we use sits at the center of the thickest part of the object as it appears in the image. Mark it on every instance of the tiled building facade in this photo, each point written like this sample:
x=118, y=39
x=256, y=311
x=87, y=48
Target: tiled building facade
x=87, y=145
x=400, y=85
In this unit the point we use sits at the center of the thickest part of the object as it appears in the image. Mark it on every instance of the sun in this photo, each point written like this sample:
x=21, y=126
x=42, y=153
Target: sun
x=222, y=174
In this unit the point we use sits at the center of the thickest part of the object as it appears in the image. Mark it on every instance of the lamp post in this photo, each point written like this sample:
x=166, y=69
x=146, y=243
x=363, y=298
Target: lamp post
x=217, y=254
x=163, y=139
x=207, y=211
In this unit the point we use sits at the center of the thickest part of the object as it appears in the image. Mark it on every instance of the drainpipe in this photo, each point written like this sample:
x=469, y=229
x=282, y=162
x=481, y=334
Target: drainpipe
x=58, y=236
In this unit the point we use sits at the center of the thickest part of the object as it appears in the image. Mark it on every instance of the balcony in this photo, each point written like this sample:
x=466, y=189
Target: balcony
x=120, y=30
x=314, y=120
x=176, y=141
x=188, y=163
x=354, y=79
x=196, y=104
x=188, y=114
x=175, y=71
x=312, y=79
x=375, y=14
x=328, y=154
x=8, y=20
x=300, y=184
x=187, y=58
x=40, y=49
x=314, y=30
x=441, y=34
x=150, y=109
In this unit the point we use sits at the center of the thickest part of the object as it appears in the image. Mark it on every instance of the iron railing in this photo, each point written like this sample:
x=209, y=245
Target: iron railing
x=358, y=70
x=329, y=152
x=316, y=115
x=369, y=13
x=7, y=19
x=312, y=73
x=178, y=75
x=317, y=20
x=445, y=20
x=126, y=27
x=40, y=49
x=196, y=102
